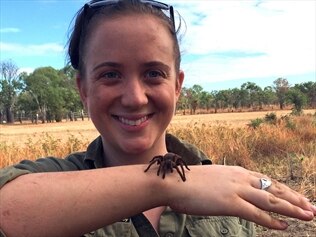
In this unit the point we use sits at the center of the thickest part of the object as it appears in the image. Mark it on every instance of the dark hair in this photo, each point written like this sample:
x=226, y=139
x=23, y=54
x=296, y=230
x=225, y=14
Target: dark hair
x=86, y=17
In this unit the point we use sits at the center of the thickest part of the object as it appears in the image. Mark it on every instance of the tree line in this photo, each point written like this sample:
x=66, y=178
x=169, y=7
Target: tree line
x=249, y=96
x=48, y=95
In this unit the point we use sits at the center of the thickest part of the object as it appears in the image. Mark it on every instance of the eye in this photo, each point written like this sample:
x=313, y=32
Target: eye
x=110, y=75
x=155, y=75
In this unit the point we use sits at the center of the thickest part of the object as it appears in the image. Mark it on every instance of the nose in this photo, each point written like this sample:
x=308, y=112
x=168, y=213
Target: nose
x=134, y=94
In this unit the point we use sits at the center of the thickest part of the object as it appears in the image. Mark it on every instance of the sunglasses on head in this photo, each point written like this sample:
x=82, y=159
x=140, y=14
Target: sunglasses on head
x=159, y=5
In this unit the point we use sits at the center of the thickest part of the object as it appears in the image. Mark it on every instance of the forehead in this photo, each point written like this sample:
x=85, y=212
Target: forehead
x=139, y=34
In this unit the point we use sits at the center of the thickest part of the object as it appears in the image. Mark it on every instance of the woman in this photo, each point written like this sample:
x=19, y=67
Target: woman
x=128, y=74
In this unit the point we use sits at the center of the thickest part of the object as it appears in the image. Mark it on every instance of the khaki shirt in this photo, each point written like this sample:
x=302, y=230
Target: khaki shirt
x=171, y=223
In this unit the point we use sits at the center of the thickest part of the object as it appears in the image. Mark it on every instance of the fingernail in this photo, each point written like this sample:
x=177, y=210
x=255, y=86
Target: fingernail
x=284, y=224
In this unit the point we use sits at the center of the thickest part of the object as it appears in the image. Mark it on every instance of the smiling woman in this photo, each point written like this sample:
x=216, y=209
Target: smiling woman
x=127, y=58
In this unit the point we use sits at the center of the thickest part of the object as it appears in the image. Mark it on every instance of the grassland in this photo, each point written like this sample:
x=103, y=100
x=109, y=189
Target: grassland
x=281, y=146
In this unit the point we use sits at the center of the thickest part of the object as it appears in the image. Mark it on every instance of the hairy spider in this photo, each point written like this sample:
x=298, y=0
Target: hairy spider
x=167, y=163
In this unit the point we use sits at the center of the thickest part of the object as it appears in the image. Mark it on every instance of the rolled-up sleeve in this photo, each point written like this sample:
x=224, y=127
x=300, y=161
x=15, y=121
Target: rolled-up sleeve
x=10, y=173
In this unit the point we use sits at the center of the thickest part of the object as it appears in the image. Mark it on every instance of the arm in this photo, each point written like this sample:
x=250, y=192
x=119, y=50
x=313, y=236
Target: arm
x=73, y=203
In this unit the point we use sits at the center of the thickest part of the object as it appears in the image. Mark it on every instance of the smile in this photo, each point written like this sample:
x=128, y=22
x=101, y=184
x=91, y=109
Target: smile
x=132, y=122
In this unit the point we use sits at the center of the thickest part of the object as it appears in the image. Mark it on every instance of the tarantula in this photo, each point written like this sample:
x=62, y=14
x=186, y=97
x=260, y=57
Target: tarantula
x=167, y=163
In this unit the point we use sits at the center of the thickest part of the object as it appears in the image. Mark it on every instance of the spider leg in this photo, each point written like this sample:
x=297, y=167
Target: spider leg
x=171, y=166
x=151, y=163
x=182, y=174
x=154, y=160
x=164, y=174
x=185, y=166
x=182, y=163
x=158, y=171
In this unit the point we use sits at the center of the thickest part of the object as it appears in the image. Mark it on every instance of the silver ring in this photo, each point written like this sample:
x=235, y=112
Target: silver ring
x=265, y=183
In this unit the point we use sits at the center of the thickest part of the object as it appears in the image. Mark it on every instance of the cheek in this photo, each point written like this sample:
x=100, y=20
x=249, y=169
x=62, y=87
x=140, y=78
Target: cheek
x=166, y=99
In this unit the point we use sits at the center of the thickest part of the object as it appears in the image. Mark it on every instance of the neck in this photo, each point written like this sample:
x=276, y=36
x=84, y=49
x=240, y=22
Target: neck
x=117, y=157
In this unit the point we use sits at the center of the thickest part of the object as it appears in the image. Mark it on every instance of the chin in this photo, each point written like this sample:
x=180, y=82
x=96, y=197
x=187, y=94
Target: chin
x=136, y=147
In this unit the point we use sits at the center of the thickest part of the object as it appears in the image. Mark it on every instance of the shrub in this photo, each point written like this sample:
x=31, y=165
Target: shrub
x=255, y=123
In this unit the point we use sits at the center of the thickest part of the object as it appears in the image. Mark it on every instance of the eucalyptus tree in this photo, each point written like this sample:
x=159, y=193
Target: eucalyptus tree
x=269, y=96
x=254, y=94
x=44, y=86
x=236, y=98
x=281, y=87
x=297, y=98
x=183, y=101
x=309, y=90
x=193, y=97
x=206, y=100
x=10, y=85
x=69, y=89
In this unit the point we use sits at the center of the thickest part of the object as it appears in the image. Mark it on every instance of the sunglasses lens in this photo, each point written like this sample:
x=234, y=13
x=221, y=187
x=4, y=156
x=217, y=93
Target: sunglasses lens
x=159, y=5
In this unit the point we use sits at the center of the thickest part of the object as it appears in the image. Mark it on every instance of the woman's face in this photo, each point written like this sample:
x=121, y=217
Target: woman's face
x=130, y=86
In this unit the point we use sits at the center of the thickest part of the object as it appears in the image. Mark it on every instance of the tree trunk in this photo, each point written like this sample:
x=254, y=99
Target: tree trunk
x=9, y=115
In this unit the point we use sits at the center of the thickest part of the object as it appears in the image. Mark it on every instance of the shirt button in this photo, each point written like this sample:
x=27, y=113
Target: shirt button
x=169, y=234
x=224, y=231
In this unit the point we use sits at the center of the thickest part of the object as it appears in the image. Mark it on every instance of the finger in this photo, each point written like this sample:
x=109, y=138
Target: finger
x=284, y=192
x=254, y=214
x=269, y=202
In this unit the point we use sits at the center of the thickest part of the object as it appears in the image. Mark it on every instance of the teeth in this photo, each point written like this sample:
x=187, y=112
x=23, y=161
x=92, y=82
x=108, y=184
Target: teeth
x=133, y=122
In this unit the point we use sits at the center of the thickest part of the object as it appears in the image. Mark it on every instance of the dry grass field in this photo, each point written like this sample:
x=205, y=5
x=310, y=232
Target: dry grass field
x=283, y=148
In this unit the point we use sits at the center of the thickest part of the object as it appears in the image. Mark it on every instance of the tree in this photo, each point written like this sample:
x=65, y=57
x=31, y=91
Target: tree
x=254, y=94
x=281, y=86
x=183, y=103
x=52, y=93
x=269, y=96
x=205, y=100
x=10, y=84
x=309, y=90
x=44, y=87
x=193, y=97
x=69, y=90
x=299, y=100
x=236, y=98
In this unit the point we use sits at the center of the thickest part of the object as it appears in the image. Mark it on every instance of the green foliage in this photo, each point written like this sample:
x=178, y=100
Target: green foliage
x=51, y=93
x=281, y=86
x=271, y=118
x=299, y=100
x=255, y=123
x=289, y=122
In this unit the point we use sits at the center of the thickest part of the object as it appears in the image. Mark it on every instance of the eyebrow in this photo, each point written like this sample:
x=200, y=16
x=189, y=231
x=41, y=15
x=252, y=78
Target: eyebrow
x=106, y=64
x=118, y=65
x=157, y=63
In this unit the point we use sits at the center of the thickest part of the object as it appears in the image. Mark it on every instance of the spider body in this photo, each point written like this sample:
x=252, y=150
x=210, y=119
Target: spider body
x=167, y=163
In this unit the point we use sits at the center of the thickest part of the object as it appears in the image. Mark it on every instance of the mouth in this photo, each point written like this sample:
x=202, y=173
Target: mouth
x=132, y=121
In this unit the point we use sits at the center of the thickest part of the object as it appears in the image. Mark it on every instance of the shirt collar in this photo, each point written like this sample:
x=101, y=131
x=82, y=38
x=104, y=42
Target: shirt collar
x=189, y=153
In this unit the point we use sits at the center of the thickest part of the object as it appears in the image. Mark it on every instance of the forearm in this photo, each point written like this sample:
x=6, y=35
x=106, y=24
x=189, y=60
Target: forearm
x=73, y=203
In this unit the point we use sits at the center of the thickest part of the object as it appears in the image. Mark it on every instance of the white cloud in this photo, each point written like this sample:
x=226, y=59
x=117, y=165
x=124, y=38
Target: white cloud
x=28, y=70
x=9, y=30
x=279, y=34
x=32, y=49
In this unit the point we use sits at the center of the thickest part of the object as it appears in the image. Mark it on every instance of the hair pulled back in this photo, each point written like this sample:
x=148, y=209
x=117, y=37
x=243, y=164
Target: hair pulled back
x=87, y=18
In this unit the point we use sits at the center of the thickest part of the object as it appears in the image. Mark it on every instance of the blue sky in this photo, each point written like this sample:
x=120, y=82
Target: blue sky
x=226, y=43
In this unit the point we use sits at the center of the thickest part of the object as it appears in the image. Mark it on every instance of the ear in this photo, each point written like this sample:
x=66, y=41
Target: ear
x=81, y=85
x=179, y=83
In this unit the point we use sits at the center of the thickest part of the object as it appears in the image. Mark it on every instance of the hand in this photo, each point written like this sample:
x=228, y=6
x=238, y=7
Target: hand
x=235, y=191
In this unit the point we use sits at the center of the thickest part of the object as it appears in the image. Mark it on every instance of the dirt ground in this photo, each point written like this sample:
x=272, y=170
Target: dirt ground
x=18, y=133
